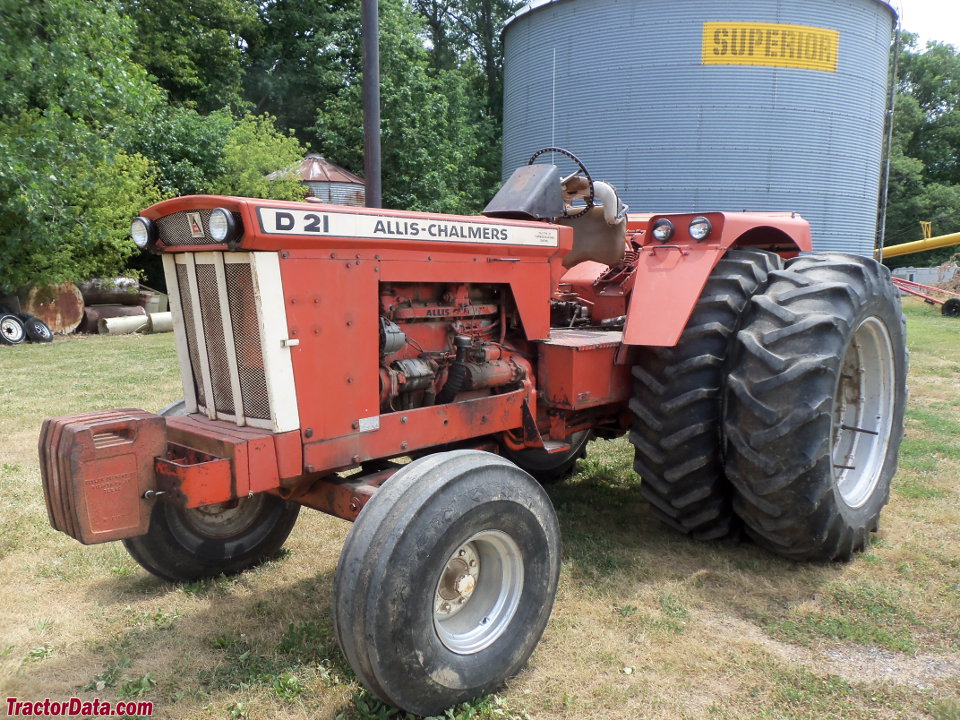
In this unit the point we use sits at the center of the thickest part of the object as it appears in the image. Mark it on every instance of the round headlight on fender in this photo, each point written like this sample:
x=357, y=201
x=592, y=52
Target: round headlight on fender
x=700, y=228
x=222, y=225
x=144, y=232
x=662, y=230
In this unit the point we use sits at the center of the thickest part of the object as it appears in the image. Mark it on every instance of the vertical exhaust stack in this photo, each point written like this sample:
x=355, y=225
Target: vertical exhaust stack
x=370, y=29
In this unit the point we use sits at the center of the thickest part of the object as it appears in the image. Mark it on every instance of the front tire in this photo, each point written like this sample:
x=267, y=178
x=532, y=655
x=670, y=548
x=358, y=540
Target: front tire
x=815, y=406
x=446, y=580
x=183, y=545
x=676, y=403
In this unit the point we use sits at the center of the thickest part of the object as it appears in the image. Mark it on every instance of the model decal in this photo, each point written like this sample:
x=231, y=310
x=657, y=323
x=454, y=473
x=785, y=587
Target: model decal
x=282, y=221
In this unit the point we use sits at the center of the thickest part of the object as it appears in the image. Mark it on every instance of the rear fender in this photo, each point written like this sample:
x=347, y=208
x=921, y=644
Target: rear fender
x=671, y=275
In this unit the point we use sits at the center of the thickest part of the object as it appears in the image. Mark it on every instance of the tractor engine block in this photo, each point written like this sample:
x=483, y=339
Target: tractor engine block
x=439, y=343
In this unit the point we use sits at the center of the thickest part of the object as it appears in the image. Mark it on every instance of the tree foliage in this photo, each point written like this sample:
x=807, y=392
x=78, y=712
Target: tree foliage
x=434, y=132
x=925, y=154
x=194, y=48
x=68, y=85
x=88, y=139
x=254, y=149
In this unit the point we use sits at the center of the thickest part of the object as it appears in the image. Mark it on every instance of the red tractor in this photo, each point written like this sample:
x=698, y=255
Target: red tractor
x=418, y=374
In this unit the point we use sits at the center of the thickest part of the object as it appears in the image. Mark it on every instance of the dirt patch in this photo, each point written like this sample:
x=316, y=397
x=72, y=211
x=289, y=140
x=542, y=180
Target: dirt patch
x=854, y=664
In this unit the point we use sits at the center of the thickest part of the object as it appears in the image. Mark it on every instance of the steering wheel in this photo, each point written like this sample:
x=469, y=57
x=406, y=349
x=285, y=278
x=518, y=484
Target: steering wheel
x=574, y=194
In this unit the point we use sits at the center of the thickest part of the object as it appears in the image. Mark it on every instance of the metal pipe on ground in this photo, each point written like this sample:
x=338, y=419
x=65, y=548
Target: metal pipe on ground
x=159, y=322
x=122, y=325
x=93, y=314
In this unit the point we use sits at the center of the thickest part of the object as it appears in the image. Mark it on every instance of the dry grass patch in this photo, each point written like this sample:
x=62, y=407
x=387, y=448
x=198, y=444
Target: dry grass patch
x=647, y=624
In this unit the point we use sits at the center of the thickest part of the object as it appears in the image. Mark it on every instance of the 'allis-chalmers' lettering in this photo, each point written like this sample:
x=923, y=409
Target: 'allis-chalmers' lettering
x=438, y=231
x=773, y=43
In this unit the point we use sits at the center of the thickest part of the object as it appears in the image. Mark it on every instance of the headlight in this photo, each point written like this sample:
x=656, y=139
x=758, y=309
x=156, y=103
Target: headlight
x=143, y=231
x=222, y=226
x=663, y=230
x=700, y=228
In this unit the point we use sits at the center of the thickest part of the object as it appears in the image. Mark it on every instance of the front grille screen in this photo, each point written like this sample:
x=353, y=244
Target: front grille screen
x=213, y=335
x=187, y=304
x=174, y=229
x=241, y=308
x=246, y=338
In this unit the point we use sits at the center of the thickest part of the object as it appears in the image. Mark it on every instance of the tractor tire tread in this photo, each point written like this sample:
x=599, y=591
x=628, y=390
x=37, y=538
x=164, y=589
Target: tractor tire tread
x=676, y=404
x=779, y=438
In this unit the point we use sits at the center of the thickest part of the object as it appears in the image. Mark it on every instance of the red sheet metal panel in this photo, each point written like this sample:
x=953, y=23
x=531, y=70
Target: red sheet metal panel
x=671, y=276
x=192, y=478
x=576, y=369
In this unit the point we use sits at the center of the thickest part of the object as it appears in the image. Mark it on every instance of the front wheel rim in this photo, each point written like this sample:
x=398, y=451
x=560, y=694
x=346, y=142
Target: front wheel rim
x=478, y=592
x=863, y=412
x=225, y=520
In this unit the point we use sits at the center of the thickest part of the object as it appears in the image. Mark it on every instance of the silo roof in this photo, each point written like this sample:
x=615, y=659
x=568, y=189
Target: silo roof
x=535, y=4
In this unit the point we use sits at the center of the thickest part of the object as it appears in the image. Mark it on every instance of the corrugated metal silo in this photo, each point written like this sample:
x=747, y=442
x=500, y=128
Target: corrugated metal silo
x=702, y=105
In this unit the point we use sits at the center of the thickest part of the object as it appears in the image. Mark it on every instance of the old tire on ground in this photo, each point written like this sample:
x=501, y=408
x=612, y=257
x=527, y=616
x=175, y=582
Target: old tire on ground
x=446, y=580
x=11, y=330
x=676, y=403
x=36, y=329
x=548, y=468
x=815, y=406
x=951, y=308
x=190, y=544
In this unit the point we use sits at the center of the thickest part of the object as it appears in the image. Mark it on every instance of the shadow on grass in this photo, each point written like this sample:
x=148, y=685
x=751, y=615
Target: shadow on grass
x=249, y=636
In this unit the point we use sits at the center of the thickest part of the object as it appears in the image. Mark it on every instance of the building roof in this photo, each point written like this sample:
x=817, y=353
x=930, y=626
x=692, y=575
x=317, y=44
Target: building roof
x=316, y=168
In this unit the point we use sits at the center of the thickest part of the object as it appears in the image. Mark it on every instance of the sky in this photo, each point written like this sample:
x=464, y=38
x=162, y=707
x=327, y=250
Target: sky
x=931, y=19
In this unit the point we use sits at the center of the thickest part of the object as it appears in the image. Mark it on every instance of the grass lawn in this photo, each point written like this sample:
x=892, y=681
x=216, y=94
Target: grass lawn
x=646, y=625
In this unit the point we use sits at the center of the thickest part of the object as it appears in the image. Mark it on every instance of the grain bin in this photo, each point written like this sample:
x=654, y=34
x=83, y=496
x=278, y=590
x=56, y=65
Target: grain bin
x=706, y=105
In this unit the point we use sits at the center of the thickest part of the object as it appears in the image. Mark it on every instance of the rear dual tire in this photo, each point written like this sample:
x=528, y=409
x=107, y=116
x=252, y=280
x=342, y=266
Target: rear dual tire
x=815, y=406
x=546, y=467
x=676, y=403
x=183, y=545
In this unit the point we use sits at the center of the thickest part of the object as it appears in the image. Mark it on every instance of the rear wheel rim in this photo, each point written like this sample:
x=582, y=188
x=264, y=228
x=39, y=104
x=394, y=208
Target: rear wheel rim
x=478, y=592
x=862, y=412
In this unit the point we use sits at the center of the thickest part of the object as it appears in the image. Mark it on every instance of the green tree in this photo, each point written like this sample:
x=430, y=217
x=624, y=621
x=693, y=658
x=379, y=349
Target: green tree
x=434, y=130
x=925, y=154
x=186, y=147
x=298, y=57
x=67, y=87
x=255, y=148
x=194, y=48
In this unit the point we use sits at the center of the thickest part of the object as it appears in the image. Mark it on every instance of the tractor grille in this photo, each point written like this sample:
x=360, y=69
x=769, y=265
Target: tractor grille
x=174, y=230
x=246, y=340
x=221, y=323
